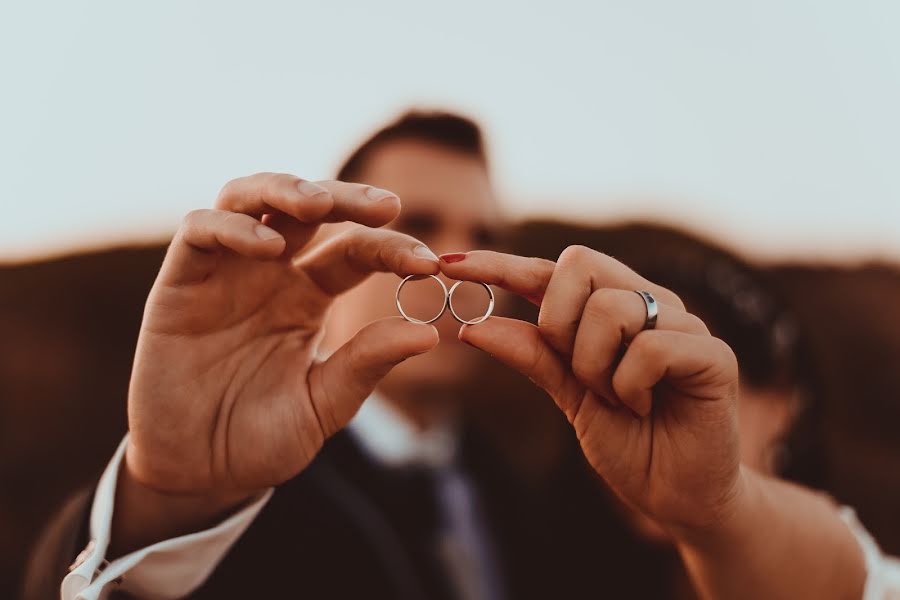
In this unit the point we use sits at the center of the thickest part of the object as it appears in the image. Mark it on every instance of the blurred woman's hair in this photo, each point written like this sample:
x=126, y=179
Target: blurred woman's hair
x=734, y=299
x=740, y=306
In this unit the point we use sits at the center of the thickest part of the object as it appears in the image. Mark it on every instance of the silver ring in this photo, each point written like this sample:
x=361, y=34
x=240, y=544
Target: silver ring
x=483, y=317
x=413, y=319
x=652, y=309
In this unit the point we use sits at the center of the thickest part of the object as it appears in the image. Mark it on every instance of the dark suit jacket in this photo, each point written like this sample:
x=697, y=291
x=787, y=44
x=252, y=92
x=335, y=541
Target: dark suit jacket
x=349, y=528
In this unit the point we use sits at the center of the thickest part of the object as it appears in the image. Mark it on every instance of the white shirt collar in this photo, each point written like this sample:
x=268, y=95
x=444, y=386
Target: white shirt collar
x=391, y=439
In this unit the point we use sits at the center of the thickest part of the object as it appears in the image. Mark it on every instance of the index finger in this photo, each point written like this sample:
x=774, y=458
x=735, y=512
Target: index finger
x=521, y=275
x=344, y=261
x=307, y=201
x=530, y=277
x=295, y=207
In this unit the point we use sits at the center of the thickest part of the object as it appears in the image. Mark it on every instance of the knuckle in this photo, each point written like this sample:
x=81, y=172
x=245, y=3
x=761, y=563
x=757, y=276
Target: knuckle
x=650, y=347
x=574, y=254
x=395, y=255
x=356, y=355
x=316, y=188
x=602, y=304
x=538, y=267
x=277, y=180
x=383, y=255
x=362, y=352
x=264, y=178
x=194, y=217
x=536, y=359
x=604, y=315
x=670, y=297
x=726, y=352
x=230, y=188
x=696, y=324
x=269, y=186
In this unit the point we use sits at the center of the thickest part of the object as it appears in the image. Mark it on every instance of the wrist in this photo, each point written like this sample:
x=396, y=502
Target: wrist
x=737, y=514
x=144, y=515
x=779, y=540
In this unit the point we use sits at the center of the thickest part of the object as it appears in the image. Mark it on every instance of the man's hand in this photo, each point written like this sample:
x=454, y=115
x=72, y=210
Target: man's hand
x=654, y=410
x=228, y=396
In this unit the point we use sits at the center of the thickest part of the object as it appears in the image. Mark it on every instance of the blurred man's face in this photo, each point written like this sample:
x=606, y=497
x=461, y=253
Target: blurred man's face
x=448, y=204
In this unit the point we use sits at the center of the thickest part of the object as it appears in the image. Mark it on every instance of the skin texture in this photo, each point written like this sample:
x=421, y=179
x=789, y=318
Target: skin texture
x=659, y=462
x=229, y=393
x=450, y=205
x=655, y=413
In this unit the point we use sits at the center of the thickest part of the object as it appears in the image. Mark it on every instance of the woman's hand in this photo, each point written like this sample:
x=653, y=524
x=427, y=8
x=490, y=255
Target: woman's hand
x=654, y=410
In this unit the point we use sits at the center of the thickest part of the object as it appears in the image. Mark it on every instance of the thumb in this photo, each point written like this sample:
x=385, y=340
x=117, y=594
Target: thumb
x=520, y=345
x=339, y=384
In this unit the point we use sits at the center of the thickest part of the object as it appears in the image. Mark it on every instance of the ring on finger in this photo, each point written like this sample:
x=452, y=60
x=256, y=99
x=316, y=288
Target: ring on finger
x=652, y=309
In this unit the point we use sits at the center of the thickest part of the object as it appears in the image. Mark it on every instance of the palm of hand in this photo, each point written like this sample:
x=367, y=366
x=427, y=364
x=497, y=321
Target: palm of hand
x=228, y=395
x=242, y=362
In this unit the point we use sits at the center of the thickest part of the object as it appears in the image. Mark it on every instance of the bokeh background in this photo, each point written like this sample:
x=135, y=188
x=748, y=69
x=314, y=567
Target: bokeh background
x=771, y=123
x=767, y=129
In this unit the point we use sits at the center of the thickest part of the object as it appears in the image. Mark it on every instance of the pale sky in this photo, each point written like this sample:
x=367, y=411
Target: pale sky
x=773, y=125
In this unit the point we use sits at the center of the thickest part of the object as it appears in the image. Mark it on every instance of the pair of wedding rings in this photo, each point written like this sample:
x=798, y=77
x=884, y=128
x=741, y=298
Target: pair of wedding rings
x=448, y=301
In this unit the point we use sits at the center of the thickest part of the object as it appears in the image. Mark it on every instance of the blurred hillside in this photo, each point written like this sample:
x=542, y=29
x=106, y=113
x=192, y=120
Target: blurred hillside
x=69, y=327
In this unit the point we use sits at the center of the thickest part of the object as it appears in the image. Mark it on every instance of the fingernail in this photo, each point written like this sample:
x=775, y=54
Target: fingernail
x=375, y=193
x=453, y=257
x=266, y=233
x=310, y=189
x=423, y=251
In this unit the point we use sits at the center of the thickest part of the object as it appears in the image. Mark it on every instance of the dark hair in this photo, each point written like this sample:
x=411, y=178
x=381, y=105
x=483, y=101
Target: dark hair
x=741, y=305
x=444, y=129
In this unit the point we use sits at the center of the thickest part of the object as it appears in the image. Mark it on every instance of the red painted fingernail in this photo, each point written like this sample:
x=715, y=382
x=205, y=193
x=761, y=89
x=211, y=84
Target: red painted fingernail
x=453, y=257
